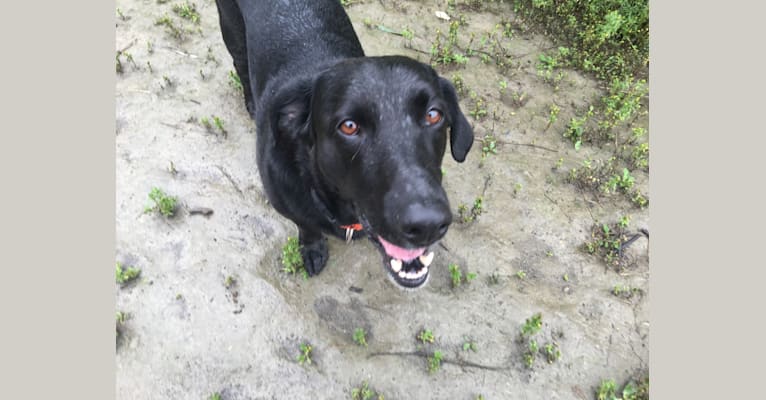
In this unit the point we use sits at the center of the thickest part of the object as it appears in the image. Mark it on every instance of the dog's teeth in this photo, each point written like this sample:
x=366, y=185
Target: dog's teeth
x=412, y=275
x=426, y=259
x=422, y=272
x=396, y=265
x=402, y=274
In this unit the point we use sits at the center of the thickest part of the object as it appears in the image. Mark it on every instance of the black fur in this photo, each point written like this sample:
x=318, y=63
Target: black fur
x=304, y=72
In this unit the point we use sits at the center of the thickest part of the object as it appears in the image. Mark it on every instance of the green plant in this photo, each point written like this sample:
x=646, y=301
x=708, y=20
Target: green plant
x=531, y=353
x=215, y=396
x=606, y=242
x=360, y=337
x=170, y=26
x=126, y=275
x=503, y=85
x=476, y=210
x=166, y=205
x=458, y=277
x=457, y=81
x=553, y=115
x=623, y=100
x=532, y=325
x=435, y=361
x=631, y=391
x=576, y=128
x=408, y=34
x=292, y=260
x=235, y=81
x=187, y=11
x=488, y=146
x=469, y=345
x=219, y=124
x=442, y=53
x=229, y=282
x=601, y=177
x=552, y=352
x=426, y=336
x=623, y=182
x=521, y=274
x=205, y=122
x=609, y=38
x=640, y=156
x=479, y=110
x=545, y=66
x=626, y=292
x=364, y=393
x=305, y=354
x=121, y=317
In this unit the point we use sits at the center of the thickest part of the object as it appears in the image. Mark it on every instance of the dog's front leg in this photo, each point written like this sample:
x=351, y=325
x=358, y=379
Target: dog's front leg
x=313, y=250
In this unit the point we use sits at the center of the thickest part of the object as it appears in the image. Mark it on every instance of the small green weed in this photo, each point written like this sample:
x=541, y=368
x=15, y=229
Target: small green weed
x=171, y=27
x=435, y=362
x=235, y=81
x=601, y=177
x=469, y=345
x=426, y=336
x=552, y=352
x=166, y=205
x=215, y=396
x=364, y=393
x=187, y=11
x=607, y=241
x=360, y=337
x=457, y=81
x=121, y=317
x=443, y=53
x=479, y=110
x=626, y=292
x=476, y=210
x=292, y=260
x=123, y=276
x=488, y=146
x=576, y=128
x=631, y=391
x=553, y=115
x=521, y=274
x=531, y=353
x=532, y=325
x=458, y=277
x=305, y=354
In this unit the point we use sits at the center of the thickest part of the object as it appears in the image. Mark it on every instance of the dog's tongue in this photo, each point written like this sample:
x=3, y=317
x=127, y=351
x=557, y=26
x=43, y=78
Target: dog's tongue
x=400, y=253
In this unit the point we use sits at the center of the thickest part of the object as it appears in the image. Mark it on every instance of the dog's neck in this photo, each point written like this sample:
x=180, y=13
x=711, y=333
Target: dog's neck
x=337, y=211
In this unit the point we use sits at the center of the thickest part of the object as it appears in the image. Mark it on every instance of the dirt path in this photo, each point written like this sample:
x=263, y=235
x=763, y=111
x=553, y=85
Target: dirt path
x=213, y=313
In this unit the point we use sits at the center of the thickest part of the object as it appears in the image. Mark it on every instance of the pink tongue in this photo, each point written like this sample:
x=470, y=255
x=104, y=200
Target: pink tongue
x=401, y=253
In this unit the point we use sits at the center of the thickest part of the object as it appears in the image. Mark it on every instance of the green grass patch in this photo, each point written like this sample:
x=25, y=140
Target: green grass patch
x=126, y=274
x=292, y=260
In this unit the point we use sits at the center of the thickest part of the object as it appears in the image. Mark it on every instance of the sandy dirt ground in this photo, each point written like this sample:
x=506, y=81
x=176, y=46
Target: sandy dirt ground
x=212, y=311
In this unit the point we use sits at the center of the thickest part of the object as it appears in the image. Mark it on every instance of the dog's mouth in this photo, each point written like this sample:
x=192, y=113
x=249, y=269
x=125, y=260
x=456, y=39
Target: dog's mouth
x=407, y=267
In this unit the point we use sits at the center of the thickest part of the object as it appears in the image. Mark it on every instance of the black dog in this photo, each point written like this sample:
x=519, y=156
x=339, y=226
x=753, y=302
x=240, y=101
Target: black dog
x=346, y=143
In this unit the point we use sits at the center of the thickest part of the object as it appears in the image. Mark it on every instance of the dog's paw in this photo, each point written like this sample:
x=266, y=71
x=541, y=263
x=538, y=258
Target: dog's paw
x=315, y=256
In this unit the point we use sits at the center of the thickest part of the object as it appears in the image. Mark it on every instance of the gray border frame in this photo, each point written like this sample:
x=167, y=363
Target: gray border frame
x=57, y=172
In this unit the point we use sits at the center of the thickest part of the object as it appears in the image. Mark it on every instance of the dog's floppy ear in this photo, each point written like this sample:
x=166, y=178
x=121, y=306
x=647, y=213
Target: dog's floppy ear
x=291, y=113
x=461, y=133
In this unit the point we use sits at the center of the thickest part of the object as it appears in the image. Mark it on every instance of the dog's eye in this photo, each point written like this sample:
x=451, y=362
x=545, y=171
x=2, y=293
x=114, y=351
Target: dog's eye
x=433, y=116
x=349, y=127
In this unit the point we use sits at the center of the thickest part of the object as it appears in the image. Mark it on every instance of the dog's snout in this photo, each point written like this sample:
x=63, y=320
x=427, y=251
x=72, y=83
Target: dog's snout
x=422, y=225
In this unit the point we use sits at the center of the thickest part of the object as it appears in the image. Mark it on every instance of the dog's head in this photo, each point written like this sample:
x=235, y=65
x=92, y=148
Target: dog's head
x=377, y=128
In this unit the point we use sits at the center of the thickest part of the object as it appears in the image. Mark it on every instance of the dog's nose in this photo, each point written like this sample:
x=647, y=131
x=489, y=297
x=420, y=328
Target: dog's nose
x=422, y=225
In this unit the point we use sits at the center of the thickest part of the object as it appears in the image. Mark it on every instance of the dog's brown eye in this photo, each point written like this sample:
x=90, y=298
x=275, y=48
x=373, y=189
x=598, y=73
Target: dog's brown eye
x=433, y=116
x=349, y=127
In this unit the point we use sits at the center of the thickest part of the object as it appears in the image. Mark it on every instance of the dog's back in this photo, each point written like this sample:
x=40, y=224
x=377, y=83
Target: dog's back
x=295, y=37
